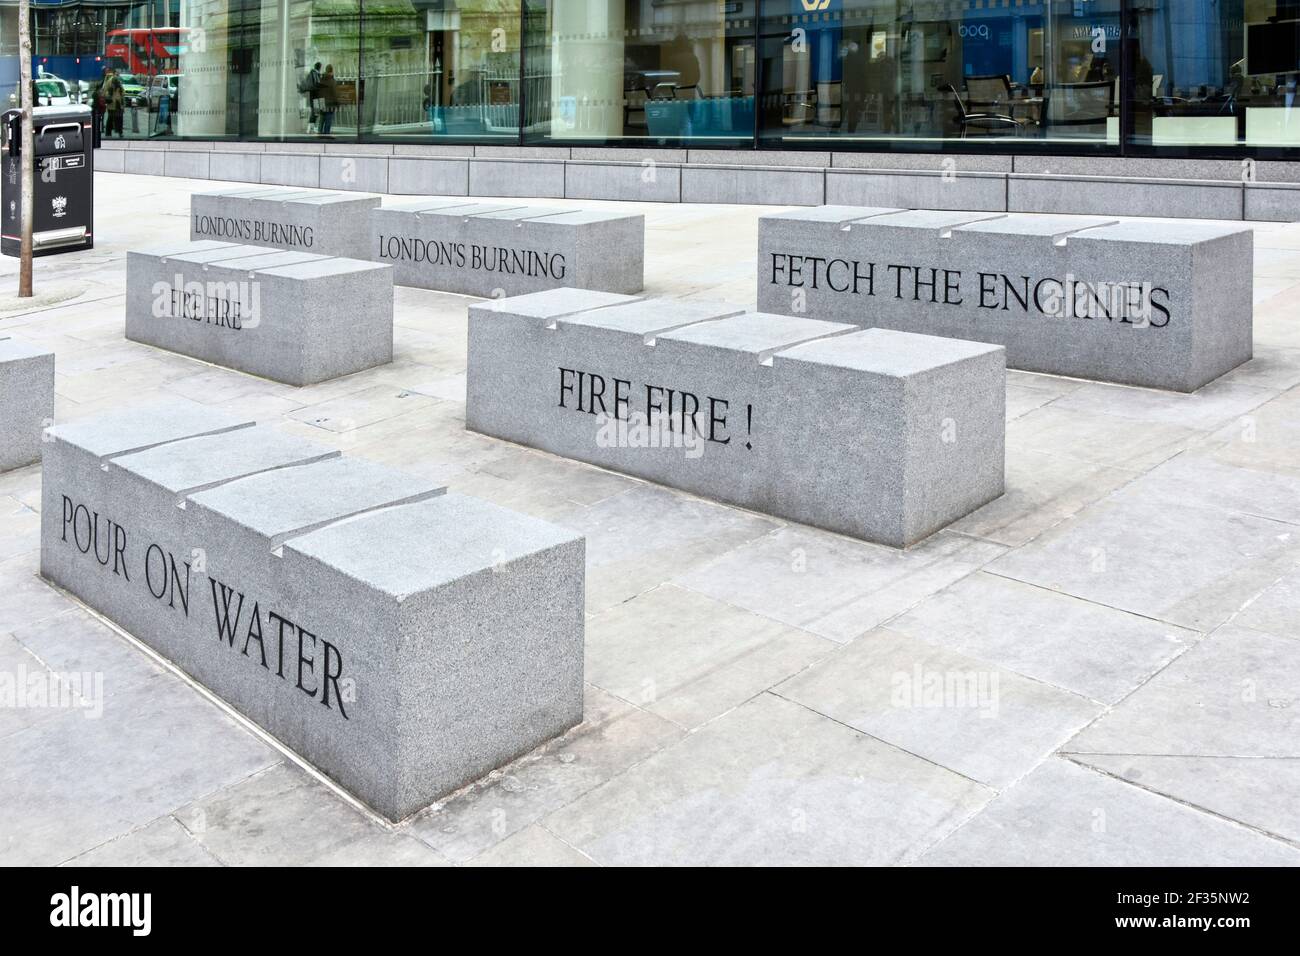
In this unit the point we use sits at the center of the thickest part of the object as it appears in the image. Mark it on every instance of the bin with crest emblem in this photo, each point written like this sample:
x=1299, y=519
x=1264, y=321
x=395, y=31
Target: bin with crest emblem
x=64, y=164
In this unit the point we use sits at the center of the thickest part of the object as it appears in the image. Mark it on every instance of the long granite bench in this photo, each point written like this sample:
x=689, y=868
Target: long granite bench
x=26, y=401
x=882, y=435
x=1138, y=302
x=498, y=250
x=294, y=317
x=306, y=220
x=404, y=640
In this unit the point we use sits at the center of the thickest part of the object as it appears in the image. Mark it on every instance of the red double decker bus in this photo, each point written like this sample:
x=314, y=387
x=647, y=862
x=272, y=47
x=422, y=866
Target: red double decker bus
x=146, y=52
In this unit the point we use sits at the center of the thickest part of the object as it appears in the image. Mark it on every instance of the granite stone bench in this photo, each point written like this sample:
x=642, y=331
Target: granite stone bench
x=293, y=317
x=404, y=640
x=306, y=220
x=882, y=435
x=497, y=250
x=1138, y=302
x=26, y=401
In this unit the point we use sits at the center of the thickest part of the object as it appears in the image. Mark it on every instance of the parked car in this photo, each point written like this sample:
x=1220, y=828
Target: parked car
x=48, y=91
x=132, y=89
x=160, y=86
x=80, y=91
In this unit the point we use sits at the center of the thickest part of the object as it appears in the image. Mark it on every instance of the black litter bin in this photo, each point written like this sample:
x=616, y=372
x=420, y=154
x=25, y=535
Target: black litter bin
x=64, y=167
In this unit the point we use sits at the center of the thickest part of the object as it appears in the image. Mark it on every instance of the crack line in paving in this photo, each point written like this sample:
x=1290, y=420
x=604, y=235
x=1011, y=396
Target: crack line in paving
x=1195, y=807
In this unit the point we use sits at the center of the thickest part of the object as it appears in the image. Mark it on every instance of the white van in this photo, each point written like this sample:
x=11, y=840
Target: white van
x=49, y=91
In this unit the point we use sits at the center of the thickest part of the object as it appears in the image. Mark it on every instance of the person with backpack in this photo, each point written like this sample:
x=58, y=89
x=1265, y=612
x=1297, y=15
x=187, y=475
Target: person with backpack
x=309, y=86
x=111, y=98
x=329, y=97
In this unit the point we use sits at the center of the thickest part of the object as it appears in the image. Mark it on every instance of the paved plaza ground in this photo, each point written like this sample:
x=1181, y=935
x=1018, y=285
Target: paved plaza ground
x=1100, y=667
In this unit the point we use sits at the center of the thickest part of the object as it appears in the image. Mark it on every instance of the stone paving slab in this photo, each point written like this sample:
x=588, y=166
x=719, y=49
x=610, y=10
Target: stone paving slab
x=613, y=737
x=1259, y=793
x=1093, y=650
x=772, y=783
x=535, y=846
x=1186, y=565
x=282, y=816
x=162, y=843
x=1065, y=815
x=833, y=586
x=689, y=657
x=1231, y=695
x=981, y=721
x=79, y=787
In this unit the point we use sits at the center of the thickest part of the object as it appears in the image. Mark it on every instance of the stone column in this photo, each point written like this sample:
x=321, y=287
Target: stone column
x=587, y=42
x=279, y=104
x=203, y=65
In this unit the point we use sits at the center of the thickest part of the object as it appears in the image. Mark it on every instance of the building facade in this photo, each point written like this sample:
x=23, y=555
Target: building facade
x=1121, y=78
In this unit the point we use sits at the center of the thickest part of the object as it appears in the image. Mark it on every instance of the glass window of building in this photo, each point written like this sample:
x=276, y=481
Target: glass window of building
x=266, y=69
x=67, y=50
x=654, y=72
x=306, y=65
x=877, y=72
x=232, y=69
x=1216, y=73
x=1168, y=77
x=442, y=68
x=146, y=46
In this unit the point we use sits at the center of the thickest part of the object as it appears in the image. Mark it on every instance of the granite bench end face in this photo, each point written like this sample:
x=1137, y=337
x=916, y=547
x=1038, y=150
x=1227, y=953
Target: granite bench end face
x=923, y=419
x=289, y=316
x=500, y=250
x=26, y=401
x=307, y=220
x=491, y=591
x=402, y=640
x=1137, y=302
x=886, y=436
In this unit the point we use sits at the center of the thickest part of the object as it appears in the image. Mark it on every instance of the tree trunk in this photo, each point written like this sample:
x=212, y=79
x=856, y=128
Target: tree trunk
x=28, y=148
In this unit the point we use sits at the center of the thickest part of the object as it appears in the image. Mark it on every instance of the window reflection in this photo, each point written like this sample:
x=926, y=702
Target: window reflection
x=1210, y=75
x=438, y=68
x=649, y=70
x=1216, y=73
x=872, y=70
